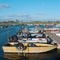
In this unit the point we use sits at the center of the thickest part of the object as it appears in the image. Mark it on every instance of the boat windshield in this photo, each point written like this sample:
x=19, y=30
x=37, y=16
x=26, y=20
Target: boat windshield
x=32, y=35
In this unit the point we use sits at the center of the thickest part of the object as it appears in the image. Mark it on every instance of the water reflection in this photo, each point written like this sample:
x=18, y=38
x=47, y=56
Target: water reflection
x=44, y=56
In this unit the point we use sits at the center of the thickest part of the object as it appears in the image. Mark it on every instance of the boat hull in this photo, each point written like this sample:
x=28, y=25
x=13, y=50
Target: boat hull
x=31, y=50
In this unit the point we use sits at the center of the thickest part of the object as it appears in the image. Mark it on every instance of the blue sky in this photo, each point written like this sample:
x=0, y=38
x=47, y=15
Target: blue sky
x=30, y=10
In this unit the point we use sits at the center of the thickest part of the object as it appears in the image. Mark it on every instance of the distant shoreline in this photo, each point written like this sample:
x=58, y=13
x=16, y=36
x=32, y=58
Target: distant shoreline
x=35, y=22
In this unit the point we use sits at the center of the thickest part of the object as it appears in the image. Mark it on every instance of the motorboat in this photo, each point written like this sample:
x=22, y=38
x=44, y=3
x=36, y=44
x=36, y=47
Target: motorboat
x=33, y=43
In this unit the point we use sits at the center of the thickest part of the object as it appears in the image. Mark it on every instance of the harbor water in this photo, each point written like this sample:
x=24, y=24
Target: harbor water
x=5, y=33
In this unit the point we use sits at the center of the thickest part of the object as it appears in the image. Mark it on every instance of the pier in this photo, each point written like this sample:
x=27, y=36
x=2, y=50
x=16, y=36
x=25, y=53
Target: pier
x=55, y=38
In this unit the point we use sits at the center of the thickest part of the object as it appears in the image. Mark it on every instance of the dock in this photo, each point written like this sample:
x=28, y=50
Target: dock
x=55, y=38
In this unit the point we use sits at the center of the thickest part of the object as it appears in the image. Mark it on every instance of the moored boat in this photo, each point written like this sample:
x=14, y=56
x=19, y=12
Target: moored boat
x=34, y=45
x=28, y=42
